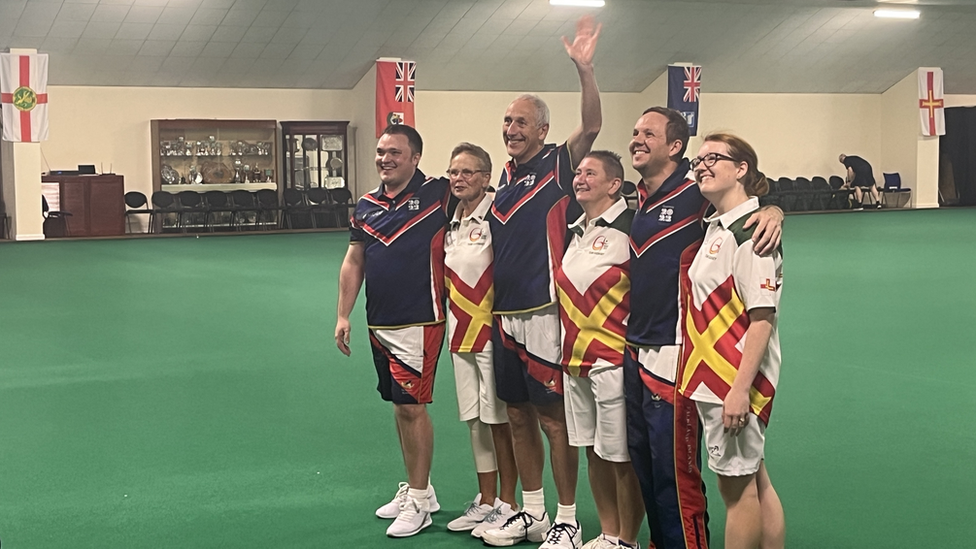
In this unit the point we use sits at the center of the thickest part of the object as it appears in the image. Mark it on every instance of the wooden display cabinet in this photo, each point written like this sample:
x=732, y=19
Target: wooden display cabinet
x=214, y=155
x=316, y=155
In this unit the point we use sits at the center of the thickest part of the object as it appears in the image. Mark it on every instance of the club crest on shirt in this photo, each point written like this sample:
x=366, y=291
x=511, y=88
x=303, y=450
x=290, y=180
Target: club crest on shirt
x=413, y=204
x=600, y=244
x=769, y=285
x=528, y=180
x=666, y=213
x=476, y=234
x=714, y=247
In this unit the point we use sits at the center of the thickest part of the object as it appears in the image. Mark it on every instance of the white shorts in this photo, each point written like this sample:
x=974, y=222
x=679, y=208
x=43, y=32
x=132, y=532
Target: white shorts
x=596, y=413
x=727, y=455
x=474, y=377
x=662, y=361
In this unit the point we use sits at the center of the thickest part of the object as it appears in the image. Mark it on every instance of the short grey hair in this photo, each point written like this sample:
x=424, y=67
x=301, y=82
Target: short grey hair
x=541, y=109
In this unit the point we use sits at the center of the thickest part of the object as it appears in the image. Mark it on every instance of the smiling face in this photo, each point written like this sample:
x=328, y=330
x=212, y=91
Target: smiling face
x=471, y=188
x=649, y=149
x=595, y=189
x=395, y=161
x=723, y=176
x=523, y=136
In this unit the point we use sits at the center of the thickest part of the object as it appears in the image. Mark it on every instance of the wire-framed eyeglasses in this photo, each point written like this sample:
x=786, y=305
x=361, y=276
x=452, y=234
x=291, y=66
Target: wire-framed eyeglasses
x=464, y=174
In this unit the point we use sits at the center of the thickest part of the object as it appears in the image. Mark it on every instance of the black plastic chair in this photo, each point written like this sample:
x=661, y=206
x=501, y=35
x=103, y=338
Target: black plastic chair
x=295, y=204
x=268, y=209
x=320, y=204
x=804, y=193
x=163, y=205
x=193, y=213
x=218, y=210
x=787, y=194
x=343, y=203
x=839, y=197
x=136, y=203
x=821, y=193
x=55, y=222
x=245, y=209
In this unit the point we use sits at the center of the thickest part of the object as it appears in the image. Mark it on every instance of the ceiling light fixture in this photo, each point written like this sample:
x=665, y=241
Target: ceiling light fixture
x=578, y=3
x=897, y=14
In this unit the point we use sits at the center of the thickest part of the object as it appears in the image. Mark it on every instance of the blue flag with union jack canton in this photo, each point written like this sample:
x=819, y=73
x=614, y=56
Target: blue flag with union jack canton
x=684, y=89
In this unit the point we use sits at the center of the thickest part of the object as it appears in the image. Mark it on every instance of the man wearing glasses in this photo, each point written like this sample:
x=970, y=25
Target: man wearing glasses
x=662, y=426
x=528, y=220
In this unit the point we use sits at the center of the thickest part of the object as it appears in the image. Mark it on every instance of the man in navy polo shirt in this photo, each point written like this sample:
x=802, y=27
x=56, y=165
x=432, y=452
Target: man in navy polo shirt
x=533, y=206
x=397, y=246
x=662, y=426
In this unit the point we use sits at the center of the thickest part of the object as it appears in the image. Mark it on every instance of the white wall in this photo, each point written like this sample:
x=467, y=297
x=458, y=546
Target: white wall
x=794, y=134
x=904, y=149
x=960, y=100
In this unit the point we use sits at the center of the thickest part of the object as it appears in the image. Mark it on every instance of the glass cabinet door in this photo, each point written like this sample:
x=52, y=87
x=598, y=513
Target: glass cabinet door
x=315, y=155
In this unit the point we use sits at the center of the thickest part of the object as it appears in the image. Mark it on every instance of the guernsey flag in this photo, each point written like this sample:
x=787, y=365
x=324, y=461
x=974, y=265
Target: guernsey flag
x=23, y=95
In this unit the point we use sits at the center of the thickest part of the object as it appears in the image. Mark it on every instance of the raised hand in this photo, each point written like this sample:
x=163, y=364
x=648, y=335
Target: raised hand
x=584, y=45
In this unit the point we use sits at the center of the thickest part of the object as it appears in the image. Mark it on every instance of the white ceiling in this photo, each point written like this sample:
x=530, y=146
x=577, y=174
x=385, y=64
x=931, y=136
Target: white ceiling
x=825, y=46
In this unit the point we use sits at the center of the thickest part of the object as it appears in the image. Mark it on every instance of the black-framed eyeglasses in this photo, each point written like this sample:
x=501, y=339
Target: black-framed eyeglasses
x=709, y=160
x=464, y=174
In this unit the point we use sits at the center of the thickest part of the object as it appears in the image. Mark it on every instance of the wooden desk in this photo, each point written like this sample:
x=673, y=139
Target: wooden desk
x=96, y=203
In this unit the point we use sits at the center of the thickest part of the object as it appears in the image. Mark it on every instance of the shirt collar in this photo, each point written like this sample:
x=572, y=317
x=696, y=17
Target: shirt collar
x=415, y=182
x=680, y=174
x=479, y=213
x=530, y=164
x=603, y=220
x=728, y=218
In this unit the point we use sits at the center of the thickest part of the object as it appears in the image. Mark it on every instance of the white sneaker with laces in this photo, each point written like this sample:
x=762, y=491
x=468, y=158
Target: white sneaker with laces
x=392, y=509
x=563, y=536
x=412, y=519
x=498, y=516
x=520, y=527
x=473, y=516
x=600, y=542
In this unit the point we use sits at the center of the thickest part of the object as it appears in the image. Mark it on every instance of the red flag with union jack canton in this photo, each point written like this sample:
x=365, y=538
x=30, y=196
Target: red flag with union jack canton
x=684, y=90
x=395, y=81
x=23, y=96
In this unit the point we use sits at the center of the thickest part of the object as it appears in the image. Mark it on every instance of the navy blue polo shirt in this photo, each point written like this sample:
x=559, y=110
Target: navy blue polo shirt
x=533, y=205
x=404, y=246
x=664, y=237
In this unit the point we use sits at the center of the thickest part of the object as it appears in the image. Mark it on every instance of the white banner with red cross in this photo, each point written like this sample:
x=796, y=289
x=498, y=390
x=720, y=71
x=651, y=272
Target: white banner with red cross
x=23, y=95
x=930, y=101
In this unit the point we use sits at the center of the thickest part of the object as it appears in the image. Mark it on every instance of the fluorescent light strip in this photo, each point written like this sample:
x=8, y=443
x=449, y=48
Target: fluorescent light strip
x=578, y=3
x=897, y=14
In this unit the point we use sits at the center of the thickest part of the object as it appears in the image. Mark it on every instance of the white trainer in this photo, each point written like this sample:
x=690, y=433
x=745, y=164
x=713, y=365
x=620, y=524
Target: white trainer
x=411, y=519
x=600, y=542
x=520, y=527
x=392, y=509
x=473, y=516
x=498, y=516
x=563, y=536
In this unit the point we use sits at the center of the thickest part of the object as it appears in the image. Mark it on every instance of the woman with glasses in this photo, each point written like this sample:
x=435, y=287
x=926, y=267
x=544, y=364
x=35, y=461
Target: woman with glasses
x=731, y=356
x=468, y=266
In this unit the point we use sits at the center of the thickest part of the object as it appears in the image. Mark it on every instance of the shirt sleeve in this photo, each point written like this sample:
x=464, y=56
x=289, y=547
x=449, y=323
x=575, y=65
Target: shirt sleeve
x=564, y=169
x=758, y=279
x=356, y=233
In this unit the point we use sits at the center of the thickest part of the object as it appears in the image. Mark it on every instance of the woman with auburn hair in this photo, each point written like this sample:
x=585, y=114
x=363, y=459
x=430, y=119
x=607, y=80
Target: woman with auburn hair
x=731, y=358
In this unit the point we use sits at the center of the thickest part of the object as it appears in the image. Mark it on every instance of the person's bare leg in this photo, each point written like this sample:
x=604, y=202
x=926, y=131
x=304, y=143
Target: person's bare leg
x=858, y=195
x=743, y=520
x=773, y=518
x=416, y=441
x=630, y=503
x=501, y=435
x=565, y=458
x=603, y=484
x=527, y=444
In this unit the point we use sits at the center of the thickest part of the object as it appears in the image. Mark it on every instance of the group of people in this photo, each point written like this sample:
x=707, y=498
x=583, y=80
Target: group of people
x=627, y=333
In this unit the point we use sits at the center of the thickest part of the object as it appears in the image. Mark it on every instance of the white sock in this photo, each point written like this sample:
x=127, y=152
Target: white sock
x=420, y=496
x=534, y=503
x=566, y=514
x=612, y=539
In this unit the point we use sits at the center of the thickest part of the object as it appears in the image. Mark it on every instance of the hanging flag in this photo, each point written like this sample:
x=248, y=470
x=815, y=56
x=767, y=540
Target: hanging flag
x=395, y=81
x=684, y=89
x=930, y=101
x=23, y=95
